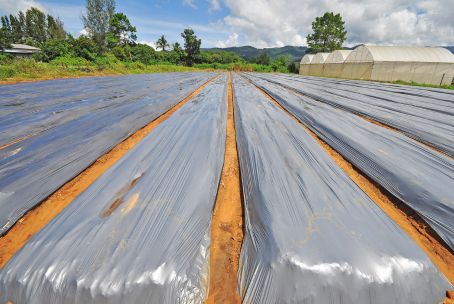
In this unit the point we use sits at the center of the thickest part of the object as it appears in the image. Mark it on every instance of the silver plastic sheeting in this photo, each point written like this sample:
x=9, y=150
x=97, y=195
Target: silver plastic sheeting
x=433, y=127
x=414, y=96
x=70, y=140
x=28, y=109
x=420, y=177
x=311, y=235
x=141, y=232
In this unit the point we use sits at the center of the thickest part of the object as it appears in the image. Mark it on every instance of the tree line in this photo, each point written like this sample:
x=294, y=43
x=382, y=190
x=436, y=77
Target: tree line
x=110, y=35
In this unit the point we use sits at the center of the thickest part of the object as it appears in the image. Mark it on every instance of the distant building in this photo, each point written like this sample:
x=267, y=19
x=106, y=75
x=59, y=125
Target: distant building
x=431, y=65
x=21, y=50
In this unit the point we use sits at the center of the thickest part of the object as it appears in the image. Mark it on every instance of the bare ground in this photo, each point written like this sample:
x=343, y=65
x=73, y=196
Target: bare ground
x=227, y=222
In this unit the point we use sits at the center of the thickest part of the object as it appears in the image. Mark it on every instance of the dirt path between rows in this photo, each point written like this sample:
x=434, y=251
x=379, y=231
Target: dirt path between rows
x=227, y=222
x=406, y=218
x=42, y=214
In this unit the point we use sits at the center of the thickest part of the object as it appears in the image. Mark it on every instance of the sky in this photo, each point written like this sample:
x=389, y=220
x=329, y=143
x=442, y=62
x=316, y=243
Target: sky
x=268, y=23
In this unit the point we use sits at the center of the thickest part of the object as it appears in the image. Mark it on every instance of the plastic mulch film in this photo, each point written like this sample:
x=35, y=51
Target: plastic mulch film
x=72, y=133
x=393, y=92
x=420, y=177
x=311, y=235
x=141, y=232
x=30, y=108
x=434, y=127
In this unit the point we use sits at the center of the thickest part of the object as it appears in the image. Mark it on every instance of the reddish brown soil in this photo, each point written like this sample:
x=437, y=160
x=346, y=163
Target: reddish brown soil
x=407, y=219
x=227, y=223
x=38, y=217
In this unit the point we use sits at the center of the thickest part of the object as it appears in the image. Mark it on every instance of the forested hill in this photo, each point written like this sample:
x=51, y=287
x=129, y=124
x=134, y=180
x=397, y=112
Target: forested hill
x=247, y=52
x=296, y=52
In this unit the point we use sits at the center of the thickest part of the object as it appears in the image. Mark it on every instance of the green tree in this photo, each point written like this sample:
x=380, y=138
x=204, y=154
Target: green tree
x=84, y=47
x=162, y=43
x=143, y=53
x=293, y=67
x=191, y=46
x=55, y=28
x=17, y=32
x=280, y=64
x=121, y=32
x=5, y=33
x=52, y=49
x=97, y=19
x=178, y=53
x=329, y=33
x=23, y=25
x=4, y=38
x=263, y=59
x=36, y=27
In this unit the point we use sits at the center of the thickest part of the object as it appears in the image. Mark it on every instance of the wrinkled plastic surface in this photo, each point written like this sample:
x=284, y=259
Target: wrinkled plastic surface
x=71, y=132
x=417, y=175
x=28, y=109
x=141, y=232
x=424, y=118
x=311, y=235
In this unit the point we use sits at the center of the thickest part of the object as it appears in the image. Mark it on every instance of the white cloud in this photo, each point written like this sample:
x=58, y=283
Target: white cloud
x=267, y=23
x=82, y=32
x=215, y=5
x=150, y=43
x=14, y=6
x=189, y=3
x=231, y=41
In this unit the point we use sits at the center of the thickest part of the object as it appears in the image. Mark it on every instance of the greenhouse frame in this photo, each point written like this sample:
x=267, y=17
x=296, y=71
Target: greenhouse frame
x=428, y=65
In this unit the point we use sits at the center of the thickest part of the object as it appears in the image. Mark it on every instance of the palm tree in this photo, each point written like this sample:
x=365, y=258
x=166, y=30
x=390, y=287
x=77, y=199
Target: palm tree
x=162, y=43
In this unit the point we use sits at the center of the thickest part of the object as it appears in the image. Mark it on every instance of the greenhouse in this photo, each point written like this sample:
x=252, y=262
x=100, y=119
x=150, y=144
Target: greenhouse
x=335, y=63
x=431, y=65
x=305, y=64
x=316, y=66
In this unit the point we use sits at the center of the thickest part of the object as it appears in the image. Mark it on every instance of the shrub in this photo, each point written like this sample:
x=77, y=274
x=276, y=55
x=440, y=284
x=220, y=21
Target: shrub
x=85, y=47
x=6, y=72
x=52, y=49
x=143, y=53
x=70, y=62
x=103, y=62
x=121, y=52
x=5, y=58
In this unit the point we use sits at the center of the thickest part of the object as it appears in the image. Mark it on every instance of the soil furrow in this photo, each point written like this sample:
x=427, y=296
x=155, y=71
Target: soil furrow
x=227, y=222
x=38, y=217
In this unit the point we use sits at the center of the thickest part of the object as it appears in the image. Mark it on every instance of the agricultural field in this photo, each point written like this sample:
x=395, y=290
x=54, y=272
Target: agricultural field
x=208, y=187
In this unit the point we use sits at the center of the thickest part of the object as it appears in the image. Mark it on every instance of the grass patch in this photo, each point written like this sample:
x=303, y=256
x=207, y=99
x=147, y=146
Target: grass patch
x=449, y=87
x=22, y=69
x=18, y=70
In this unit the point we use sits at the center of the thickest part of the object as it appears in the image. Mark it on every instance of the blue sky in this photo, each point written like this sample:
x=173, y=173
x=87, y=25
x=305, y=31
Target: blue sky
x=152, y=18
x=269, y=23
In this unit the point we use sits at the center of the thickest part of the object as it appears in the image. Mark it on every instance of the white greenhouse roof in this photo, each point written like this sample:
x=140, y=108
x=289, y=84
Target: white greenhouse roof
x=370, y=53
x=320, y=58
x=307, y=59
x=338, y=56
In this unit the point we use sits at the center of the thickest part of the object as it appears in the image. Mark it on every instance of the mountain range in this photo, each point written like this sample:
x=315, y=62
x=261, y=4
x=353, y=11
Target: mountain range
x=295, y=52
x=247, y=52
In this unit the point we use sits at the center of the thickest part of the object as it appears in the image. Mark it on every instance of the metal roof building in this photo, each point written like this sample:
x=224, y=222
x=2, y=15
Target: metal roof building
x=21, y=50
